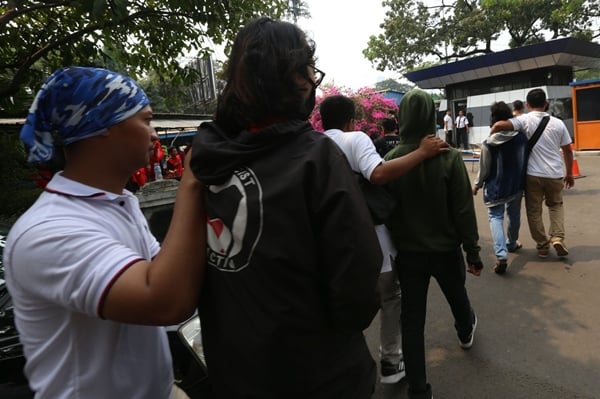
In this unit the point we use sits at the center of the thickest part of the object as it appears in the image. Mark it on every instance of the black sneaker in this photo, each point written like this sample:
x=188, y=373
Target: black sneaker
x=468, y=343
x=501, y=265
x=392, y=373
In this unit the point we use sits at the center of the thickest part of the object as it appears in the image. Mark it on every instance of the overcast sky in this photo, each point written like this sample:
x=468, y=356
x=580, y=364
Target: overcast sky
x=341, y=30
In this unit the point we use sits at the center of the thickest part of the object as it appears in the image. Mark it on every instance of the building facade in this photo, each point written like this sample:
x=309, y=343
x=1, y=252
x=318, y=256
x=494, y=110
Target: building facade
x=473, y=84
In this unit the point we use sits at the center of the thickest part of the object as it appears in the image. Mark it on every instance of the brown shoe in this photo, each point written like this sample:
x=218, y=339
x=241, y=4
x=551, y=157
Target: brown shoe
x=561, y=248
x=543, y=252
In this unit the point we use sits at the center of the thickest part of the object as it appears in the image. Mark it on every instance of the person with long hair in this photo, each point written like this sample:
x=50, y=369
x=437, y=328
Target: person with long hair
x=502, y=169
x=293, y=257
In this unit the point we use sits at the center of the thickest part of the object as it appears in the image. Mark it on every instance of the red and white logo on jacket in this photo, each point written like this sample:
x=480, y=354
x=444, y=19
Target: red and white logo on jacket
x=235, y=220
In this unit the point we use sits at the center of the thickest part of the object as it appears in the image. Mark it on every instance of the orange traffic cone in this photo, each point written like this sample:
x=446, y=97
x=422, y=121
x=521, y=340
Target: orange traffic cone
x=575, y=166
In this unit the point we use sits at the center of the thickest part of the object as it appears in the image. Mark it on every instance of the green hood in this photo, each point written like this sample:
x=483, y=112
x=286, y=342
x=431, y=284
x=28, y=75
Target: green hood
x=416, y=116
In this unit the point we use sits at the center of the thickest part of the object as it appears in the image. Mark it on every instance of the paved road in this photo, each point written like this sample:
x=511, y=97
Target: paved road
x=538, y=335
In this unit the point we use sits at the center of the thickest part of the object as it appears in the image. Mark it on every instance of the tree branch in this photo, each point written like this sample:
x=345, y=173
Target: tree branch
x=23, y=67
x=14, y=12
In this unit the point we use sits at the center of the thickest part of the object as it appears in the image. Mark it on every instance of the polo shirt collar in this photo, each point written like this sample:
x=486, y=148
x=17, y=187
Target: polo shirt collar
x=65, y=186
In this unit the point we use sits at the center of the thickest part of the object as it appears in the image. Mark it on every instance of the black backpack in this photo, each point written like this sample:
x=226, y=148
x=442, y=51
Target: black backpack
x=470, y=119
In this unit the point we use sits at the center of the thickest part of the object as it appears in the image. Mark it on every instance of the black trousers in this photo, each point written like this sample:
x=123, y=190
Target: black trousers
x=462, y=137
x=414, y=271
x=449, y=138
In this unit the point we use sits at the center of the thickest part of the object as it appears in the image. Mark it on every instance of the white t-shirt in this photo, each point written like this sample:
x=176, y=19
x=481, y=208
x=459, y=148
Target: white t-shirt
x=363, y=158
x=545, y=159
x=61, y=258
x=359, y=150
x=448, y=122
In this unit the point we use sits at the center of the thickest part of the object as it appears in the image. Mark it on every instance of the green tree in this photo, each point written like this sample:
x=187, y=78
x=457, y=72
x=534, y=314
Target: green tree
x=391, y=84
x=17, y=189
x=587, y=74
x=37, y=37
x=165, y=97
x=414, y=32
x=297, y=9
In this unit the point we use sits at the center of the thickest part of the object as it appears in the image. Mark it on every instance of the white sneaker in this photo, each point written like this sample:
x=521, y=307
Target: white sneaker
x=469, y=342
x=392, y=373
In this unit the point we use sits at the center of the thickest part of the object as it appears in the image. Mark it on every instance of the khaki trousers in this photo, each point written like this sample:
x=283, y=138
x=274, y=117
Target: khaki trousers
x=389, y=316
x=538, y=190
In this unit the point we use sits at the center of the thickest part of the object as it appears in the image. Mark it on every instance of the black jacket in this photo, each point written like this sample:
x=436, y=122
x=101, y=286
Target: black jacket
x=385, y=144
x=293, y=265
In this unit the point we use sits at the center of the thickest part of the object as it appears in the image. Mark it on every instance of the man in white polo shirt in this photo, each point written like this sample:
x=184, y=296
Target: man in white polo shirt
x=89, y=282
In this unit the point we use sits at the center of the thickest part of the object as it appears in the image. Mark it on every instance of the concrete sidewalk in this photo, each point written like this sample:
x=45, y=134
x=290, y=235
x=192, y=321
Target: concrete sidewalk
x=538, y=335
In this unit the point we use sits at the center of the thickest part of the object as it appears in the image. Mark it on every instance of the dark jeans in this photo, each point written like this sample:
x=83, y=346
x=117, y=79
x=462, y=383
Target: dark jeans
x=449, y=138
x=462, y=137
x=414, y=272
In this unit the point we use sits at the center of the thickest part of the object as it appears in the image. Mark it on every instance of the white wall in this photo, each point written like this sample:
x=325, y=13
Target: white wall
x=479, y=133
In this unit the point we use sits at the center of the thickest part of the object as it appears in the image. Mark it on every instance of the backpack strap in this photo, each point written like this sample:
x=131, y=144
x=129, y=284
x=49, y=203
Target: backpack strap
x=536, y=135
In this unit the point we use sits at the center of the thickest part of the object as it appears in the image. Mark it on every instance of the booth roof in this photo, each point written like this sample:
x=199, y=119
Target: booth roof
x=560, y=52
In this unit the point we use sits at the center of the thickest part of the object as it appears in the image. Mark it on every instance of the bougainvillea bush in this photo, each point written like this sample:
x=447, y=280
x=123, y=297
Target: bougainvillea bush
x=371, y=108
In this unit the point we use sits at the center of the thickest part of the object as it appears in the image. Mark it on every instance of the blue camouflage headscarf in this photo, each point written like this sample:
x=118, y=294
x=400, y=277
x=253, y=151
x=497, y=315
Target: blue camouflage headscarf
x=77, y=103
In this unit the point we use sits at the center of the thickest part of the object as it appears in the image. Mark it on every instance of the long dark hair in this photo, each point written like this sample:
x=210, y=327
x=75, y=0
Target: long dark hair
x=266, y=57
x=500, y=112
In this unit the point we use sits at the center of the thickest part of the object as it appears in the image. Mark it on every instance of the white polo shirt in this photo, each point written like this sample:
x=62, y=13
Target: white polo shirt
x=364, y=158
x=61, y=258
x=545, y=159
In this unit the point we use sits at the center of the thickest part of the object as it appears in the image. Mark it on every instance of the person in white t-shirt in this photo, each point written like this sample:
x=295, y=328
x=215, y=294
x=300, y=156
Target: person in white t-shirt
x=546, y=177
x=337, y=114
x=518, y=108
x=449, y=127
x=90, y=284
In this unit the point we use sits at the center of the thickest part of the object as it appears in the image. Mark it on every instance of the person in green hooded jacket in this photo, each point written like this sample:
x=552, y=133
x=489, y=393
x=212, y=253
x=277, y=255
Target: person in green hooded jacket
x=434, y=217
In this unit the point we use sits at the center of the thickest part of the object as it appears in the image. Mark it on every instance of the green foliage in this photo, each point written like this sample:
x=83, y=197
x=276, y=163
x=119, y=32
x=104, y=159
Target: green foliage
x=37, y=37
x=135, y=37
x=414, y=32
x=297, y=9
x=391, y=84
x=17, y=190
x=587, y=74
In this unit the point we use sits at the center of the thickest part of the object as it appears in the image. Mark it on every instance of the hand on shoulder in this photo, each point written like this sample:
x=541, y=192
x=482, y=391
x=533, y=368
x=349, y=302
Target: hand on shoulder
x=431, y=145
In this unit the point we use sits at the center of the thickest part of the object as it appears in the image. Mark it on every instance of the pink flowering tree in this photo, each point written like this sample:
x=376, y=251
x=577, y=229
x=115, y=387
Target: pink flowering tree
x=371, y=108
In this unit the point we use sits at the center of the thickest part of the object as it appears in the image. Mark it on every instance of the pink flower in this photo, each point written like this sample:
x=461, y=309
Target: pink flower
x=371, y=108
x=378, y=114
